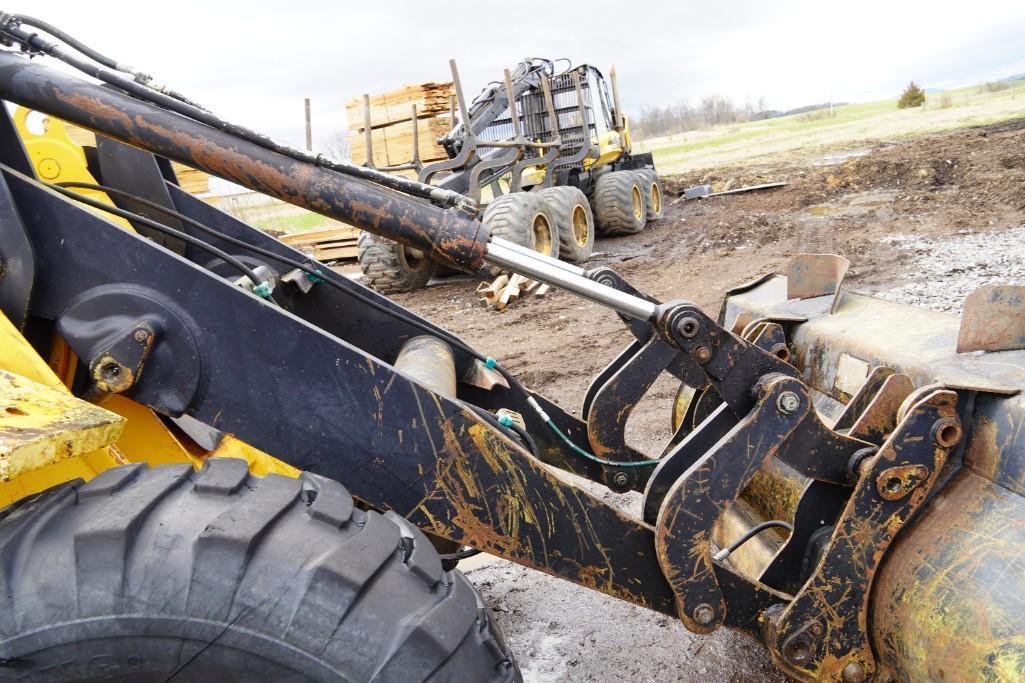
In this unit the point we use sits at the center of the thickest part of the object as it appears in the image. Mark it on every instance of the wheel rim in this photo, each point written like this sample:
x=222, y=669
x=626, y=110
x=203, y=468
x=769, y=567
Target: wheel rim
x=542, y=235
x=414, y=258
x=638, y=203
x=580, y=228
x=656, y=198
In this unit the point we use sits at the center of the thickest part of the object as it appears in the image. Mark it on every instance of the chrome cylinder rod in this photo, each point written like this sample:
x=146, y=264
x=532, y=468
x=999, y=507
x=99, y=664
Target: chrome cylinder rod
x=565, y=276
x=554, y=262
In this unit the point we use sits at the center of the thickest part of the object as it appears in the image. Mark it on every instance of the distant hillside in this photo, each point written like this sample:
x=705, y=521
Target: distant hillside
x=849, y=126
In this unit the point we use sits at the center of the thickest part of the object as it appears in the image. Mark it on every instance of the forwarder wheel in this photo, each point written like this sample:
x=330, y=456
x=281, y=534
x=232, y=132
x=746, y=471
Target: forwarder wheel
x=651, y=184
x=390, y=267
x=167, y=573
x=619, y=203
x=523, y=218
x=574, y=222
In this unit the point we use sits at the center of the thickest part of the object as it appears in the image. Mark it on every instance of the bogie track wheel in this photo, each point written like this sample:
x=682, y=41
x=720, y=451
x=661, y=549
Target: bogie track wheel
x=526, y=219
x=654, y=197
x=619, y=203
x=574, y=221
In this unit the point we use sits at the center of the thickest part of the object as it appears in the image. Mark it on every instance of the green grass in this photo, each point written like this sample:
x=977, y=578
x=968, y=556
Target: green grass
x=805, y=134
x=301, y=221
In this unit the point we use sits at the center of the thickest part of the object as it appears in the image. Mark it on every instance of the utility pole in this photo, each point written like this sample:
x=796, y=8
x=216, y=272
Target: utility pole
x=309, y=128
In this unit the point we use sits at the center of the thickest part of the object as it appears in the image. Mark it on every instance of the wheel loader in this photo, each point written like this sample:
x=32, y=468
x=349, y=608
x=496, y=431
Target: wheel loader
x=222, y=460
x=554, y=168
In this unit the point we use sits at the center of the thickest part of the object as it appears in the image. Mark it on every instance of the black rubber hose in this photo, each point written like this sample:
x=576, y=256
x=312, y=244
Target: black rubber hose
x=309, y=270
x=160, y=227
x=181, y=105
x=751, y=533
x=70, y=40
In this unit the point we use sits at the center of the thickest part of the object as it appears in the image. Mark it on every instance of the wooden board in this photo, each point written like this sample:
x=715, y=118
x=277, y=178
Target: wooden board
x=431, y=98
x=393, y=145
x=328, y=244
x=322, y=235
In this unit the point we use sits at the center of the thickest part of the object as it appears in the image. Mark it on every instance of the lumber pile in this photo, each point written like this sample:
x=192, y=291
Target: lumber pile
x=330, y=244
x=391, y=124
x=192, y=181
x=505, y=289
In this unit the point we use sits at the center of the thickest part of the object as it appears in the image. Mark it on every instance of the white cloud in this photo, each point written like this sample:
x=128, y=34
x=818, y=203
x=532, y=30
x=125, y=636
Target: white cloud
x=256, y=61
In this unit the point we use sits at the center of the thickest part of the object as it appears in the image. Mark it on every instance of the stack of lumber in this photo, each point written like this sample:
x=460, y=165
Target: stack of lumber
x=191, y=180
x=505, y=289
x=330, y=244
x=391, y=124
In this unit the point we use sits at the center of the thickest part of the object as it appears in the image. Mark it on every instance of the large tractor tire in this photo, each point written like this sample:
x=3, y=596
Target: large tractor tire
x=525, y=219
x=574, y=222
x=619, y=203
x=390, y=267
x=654, y=197
x=170, y=574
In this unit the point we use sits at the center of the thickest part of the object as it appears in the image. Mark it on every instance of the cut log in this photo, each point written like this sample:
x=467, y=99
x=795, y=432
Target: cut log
x=431, y=98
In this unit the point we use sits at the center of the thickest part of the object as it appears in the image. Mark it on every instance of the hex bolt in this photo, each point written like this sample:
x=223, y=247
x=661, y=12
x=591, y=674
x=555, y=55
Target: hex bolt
x=140, y=335
x=788, y=402
x=688, y=327
x=702, y=354
x=620, y=479
x=704, y=613
x=853, y=673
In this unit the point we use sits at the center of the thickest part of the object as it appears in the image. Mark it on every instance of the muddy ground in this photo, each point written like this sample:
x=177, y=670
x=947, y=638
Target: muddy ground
x=923, y=220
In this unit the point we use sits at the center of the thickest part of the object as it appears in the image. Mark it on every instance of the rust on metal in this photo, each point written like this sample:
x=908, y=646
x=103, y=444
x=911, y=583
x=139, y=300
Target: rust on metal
x=896, y=482
x=838, y=592
x=947, y=601
x=993, y=319
x=879, y=418
x=814, y=275
x=450, y=235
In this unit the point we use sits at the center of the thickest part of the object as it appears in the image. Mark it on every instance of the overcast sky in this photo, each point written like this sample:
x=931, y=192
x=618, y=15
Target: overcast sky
x=256, y=61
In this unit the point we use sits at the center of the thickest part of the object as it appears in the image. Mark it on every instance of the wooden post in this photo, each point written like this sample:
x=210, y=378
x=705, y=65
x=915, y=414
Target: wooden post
x=309, y=128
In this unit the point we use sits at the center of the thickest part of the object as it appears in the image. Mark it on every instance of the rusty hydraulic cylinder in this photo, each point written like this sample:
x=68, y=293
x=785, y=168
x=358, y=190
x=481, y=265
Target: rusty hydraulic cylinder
x=429, y=361
x=448, y=235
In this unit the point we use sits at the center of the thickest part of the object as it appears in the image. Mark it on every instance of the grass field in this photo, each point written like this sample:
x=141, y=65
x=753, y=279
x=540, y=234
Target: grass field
x=816, y=132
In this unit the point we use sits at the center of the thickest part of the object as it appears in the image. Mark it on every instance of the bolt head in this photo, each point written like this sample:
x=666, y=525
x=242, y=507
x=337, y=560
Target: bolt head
x=688, y=327
x=140, y=335
x=704, y=613
x=788, y=402
x=620, y=478
x=702, y=354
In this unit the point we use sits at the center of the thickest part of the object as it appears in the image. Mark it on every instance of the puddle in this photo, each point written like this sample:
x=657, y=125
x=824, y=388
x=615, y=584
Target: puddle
x=854, y=204
x=840, y=157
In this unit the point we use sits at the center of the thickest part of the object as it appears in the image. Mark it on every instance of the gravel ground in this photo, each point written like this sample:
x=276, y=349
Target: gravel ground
x=942, y=272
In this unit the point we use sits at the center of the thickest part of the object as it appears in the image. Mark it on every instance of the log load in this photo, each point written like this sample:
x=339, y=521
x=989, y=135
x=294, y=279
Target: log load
x=391, y=124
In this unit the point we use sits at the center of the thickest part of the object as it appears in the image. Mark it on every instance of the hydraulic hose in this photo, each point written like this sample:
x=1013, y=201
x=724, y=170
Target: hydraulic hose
x=102, y=68
x=447, y=235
